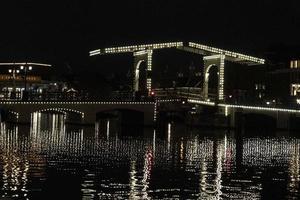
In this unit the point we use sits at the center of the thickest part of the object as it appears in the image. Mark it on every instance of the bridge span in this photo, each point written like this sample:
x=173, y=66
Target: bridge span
x=238, y=114
x=23, y=111
x=235, y=115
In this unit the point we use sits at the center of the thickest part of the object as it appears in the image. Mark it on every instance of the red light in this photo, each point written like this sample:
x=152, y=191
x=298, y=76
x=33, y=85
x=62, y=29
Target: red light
x=152, y=93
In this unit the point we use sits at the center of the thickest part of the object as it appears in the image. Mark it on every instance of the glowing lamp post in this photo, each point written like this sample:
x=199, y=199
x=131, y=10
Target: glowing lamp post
x=13, y=72
x=25, y=69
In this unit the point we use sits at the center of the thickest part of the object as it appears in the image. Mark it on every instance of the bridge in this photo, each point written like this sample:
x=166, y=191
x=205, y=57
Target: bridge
x=212, y=57
x=234, y=113
x=84, y=112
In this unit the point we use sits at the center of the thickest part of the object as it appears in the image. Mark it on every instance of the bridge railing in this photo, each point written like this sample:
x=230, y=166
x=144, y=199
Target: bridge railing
x=64, y=96
x=160, y=94
x=196, y=94
x=181, y=92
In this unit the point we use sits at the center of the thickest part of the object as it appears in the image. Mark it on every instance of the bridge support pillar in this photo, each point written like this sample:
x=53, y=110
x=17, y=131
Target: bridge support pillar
x=139, y=58
x=24, y=118
x=219, y=61
x=234, y=116
x=90, y=118
x=283, y=120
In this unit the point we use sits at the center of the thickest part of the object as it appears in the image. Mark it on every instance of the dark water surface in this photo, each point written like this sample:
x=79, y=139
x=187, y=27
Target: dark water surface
x=52, y=161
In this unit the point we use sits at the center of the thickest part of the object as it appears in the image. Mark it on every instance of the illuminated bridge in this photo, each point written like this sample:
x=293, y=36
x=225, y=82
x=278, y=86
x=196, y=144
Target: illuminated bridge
x=83, y=112
x=236, y=113
x=211, y=56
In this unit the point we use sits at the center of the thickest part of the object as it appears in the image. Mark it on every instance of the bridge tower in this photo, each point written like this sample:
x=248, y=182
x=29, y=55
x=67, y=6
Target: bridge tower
x=219, y=62
x=139, y=58
x=212, y=57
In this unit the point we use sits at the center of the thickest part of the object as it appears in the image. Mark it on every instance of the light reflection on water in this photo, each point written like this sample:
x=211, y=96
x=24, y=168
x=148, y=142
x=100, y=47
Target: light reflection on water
x=104, y=162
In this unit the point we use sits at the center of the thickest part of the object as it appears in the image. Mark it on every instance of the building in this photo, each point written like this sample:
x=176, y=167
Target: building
x=28, y=81
x=295, y=81
x=283, y=77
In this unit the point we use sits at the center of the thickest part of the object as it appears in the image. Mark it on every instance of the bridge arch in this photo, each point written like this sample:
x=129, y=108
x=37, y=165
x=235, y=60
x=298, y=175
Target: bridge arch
x=142, y=78
x=51, y=110
x=70, y=115
x=137, y=75
x=253, y=121
x=122, y=121
x=219, y=61
x=114, y=113
x=207, y=79
x=65, y=110
x=86, y=110
x=10, y=115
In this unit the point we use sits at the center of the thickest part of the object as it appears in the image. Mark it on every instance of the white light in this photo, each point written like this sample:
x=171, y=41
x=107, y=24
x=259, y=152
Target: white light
x=227, y=53
x=221, y=77
x=24, y=63
x=201, y=102
x=30, y=67
x=169, y=132
x=261, y=108
x=107, y=129
x=22, y=67
x=139, y=53
x=226, y=111
x=9, y=70
x=134, y=48
x=39, y=64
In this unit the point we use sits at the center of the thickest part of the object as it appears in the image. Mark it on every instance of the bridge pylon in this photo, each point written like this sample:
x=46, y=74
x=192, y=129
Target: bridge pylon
x=139, y=58
x=219, y=62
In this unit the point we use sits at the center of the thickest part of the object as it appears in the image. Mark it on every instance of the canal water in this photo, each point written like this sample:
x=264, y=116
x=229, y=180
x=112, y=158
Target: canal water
x=51, y=160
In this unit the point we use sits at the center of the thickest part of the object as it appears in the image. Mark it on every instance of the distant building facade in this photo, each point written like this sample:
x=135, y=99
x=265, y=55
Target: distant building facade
x=295, y=80
x=18, y=80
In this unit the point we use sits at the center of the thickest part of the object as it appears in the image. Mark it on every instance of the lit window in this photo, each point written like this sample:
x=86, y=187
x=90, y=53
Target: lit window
x=295, y=89
x=295, y=64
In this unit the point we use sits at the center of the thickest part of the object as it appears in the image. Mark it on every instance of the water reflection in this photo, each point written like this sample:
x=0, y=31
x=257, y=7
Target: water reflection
x=139, y=179
x=102, y=163
x=15, y=164
x=294, y=175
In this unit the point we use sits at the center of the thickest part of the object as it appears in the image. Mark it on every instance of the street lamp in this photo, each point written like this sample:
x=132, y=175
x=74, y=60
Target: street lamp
x=13, y=72
x=25, y=69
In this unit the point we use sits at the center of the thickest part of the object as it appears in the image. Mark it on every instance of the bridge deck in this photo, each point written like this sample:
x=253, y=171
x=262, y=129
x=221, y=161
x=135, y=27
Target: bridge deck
x=190, y=47
x=88, y=110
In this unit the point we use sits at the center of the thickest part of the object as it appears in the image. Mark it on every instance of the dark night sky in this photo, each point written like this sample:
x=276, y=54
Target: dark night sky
x=61, y=32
